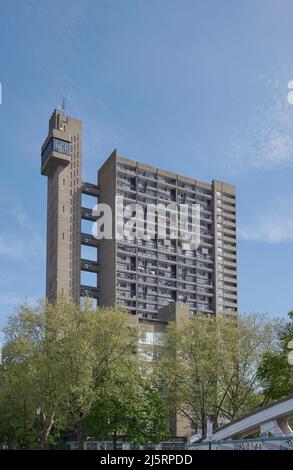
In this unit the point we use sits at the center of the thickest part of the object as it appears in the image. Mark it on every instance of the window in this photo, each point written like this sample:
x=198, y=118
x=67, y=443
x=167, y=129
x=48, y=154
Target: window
x=60, y=146
x=55, y=145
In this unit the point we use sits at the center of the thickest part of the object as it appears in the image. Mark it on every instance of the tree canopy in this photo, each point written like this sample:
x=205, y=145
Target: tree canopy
x=275, y=371
x=210, y=366
x=84, y=370
x=52, y=361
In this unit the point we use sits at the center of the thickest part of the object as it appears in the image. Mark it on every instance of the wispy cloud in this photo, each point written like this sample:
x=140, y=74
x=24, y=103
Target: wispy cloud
x=27, y=249
x=20, y=240
x=273, y=227
x=262, y=140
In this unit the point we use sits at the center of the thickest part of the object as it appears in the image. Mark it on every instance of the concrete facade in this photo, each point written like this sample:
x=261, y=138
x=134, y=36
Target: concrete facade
x=141, y=275
x=61, y=163
x=145, y=275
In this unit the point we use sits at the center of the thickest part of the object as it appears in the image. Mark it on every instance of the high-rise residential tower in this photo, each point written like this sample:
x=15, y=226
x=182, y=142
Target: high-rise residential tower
x=143, y=275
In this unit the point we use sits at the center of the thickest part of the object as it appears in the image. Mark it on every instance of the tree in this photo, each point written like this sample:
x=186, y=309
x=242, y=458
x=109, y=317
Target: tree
x=110, y=342
x=209, y=366
x=188, y=368
x=52, y=359
x=275, y=372
x=18, y=417
x=243, y=341
x=128, y=404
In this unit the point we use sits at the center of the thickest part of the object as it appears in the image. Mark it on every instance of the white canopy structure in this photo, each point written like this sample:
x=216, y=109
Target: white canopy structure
x=269, y=420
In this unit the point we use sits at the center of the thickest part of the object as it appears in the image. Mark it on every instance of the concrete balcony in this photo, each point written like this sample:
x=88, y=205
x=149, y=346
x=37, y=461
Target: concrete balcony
x=230, y=298
x=229, y=223
x=229, y=238
x=126, y=277
x=53, y=159
x=230, y=201
x=128, y=171
x=231, y=273
x=228, y=264
x=55, y=151
x=229, y=233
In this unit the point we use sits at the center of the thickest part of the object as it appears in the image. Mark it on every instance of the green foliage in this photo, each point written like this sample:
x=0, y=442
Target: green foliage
x=275, y=372
x=81, y=369
x=209, y=366
x=53, y=357
x=130, y=405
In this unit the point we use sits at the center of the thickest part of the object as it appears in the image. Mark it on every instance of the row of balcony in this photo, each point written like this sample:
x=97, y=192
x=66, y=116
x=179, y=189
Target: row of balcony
x=149, y=305
x=166, y=199
x=148, y=175
x=173, y=284
x=152, y=268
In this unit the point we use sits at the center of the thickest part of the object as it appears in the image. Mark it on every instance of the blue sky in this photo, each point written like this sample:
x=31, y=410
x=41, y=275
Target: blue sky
x=197, y=87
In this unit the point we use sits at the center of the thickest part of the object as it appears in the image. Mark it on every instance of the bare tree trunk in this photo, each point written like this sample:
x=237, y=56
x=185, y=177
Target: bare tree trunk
x=47, y=426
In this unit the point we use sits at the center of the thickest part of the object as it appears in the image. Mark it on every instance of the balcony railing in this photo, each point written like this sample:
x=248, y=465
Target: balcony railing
x=125, y=169
x=126, y=276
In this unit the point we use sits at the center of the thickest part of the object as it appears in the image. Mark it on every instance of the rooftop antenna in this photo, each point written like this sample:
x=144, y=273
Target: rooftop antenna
x=63, y=105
